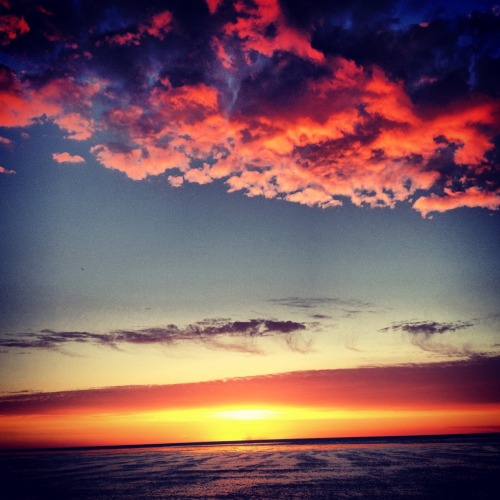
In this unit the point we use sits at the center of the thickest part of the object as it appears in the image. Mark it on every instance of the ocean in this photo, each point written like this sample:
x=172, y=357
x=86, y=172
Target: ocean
x=465, y=466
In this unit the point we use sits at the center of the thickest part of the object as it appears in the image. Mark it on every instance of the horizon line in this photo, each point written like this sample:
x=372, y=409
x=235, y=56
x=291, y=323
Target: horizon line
x=297, y=441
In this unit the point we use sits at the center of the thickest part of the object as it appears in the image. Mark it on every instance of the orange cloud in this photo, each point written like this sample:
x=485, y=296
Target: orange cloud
x=352, y=133
x=67, y=158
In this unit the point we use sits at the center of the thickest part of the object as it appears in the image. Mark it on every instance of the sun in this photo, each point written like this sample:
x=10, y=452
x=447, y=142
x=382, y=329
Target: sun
x=246, y=414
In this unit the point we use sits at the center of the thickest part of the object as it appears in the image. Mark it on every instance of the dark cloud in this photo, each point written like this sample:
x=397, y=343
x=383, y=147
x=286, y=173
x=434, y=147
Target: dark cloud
x=422, y=334
x=430, y=386
x=218, y=334
x=427, y=328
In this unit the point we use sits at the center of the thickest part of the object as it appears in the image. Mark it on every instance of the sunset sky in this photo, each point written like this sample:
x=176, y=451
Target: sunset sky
x=248, y=219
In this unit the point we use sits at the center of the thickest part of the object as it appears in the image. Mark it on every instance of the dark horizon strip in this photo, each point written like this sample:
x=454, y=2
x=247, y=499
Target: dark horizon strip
x=403, y=439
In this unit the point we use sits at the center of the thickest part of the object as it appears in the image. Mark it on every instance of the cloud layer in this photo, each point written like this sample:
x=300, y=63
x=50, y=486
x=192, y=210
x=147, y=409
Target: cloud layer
x=300, y=101
x=456, y=384
x=219, y=334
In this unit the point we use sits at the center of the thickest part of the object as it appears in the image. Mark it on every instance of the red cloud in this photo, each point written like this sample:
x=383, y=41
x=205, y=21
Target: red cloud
x=11, y=27
x=67, y=158
x=251, y=29
x=213, y=5
x=345, y=132
x=157, y=27
x=353, y=133
x=62, y=100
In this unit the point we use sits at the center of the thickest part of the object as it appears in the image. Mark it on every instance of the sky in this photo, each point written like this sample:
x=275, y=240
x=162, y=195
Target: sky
x=248, y=219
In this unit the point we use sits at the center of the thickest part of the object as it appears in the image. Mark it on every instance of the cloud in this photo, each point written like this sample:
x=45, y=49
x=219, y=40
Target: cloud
x=5, y=142
x=422, y=335
x=11, y=27
x=457, y=384
x=472, y=197
x=216, y=334
x=157, y=27
x=427, y=328
x=213, y=5
x=323, y=308
x=67, y=158
x=315, y=302
x=63, y=100
x=4, y=170
x=306, y=102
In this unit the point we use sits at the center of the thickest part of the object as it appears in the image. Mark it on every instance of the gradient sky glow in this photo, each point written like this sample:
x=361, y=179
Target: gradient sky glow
x=248, y=219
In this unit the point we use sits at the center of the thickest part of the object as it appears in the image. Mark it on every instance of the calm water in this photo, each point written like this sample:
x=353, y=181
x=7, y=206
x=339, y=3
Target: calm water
x=437, y=467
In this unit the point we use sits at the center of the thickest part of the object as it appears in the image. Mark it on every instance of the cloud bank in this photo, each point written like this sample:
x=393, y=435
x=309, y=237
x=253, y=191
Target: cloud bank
x=456, y=384
x=305, y=102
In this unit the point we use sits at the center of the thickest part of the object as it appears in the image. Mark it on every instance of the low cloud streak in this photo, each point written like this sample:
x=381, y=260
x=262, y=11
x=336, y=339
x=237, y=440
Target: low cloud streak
x=236, y=336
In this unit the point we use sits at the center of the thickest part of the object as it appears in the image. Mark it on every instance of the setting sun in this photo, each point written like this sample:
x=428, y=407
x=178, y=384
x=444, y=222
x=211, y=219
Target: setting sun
x=246, y=414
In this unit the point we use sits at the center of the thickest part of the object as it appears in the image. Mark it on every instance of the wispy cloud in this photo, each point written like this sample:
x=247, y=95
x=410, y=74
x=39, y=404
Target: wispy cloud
x=427, y=328
x=4, y=170
x=223, y=334
x=321, y=307
x=422, y=335
x=315, y=302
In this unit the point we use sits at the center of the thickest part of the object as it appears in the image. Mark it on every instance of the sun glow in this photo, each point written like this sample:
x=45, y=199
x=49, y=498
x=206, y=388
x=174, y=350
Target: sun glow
x=246, y=414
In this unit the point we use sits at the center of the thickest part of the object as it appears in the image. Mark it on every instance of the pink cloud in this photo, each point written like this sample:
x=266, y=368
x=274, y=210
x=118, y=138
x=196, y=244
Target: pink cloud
x=472, y=197
x=67, y=158
x=78, y=127
x=5, y=141
x=175, y=180
x=139, y=162
x=11, y=27
x=4, y=170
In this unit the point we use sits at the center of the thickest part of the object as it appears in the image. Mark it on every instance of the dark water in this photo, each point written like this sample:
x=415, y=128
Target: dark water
x=435, y=467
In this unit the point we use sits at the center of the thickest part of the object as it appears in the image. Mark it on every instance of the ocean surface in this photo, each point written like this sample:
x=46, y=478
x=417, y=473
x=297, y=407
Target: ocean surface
x=412, y=467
